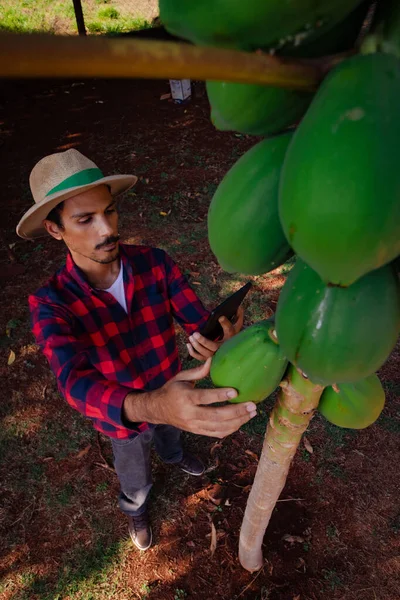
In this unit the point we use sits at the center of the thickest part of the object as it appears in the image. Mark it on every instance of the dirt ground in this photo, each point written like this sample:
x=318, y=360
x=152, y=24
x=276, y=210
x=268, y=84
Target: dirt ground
x=335, y=533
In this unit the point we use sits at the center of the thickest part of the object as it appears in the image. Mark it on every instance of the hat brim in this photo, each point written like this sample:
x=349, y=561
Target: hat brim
x=31, y=225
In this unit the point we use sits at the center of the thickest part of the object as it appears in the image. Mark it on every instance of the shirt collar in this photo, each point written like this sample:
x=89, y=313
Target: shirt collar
x=78, y=275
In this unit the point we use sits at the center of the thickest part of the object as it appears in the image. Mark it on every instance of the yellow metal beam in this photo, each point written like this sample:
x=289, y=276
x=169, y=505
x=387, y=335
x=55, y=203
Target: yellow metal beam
x=56, y=56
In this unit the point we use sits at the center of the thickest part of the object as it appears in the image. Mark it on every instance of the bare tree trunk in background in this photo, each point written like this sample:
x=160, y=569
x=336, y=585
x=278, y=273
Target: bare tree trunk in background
x=80, y=21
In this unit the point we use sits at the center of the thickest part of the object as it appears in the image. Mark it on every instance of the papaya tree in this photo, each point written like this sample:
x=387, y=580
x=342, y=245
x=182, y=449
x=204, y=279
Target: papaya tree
x=328, y=192
x=326, y=187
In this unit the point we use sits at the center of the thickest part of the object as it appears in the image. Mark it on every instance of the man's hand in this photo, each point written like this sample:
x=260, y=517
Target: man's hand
x=202, y=348
x=180, y=404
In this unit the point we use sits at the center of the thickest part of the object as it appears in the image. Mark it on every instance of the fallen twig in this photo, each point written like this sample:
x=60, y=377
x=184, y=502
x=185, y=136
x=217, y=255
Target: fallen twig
x=291, y=500
x=251, y=583
x=104, y=464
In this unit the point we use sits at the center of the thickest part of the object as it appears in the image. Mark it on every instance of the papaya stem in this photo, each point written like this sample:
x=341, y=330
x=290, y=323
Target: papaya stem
x=297, y=402
x=57, y=56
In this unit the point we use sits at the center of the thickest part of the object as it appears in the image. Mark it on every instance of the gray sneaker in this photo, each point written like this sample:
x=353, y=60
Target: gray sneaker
x=140, y=531
x=191, y=464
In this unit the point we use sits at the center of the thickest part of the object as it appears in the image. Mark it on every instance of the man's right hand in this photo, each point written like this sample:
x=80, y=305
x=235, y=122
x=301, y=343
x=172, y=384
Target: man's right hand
x=180, y=404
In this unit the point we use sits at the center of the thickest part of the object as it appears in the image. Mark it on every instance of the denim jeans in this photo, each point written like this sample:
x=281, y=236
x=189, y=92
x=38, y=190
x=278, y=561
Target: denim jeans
x=132, y=464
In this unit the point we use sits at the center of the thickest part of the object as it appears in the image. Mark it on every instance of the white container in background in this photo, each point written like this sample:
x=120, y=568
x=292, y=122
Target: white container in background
x=180, y=90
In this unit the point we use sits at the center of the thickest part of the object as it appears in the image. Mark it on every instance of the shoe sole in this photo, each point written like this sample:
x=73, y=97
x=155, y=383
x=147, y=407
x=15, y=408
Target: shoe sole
x=191, y=472
x=134, y=542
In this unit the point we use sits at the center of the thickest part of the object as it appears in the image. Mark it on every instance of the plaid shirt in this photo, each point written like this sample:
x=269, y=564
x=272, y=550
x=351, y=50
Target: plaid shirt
x=99, y=353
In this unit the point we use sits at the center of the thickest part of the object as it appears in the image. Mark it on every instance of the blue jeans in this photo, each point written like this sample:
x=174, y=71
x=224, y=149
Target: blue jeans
x=132, y=464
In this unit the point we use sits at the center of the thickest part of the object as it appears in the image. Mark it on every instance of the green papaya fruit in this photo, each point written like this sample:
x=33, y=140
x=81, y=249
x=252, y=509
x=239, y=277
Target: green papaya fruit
x=244, y=230
x=339, y=195
x=253, y=24
x=355, y=405
x=336, y=334
x=251, y=362
x=265, y=110
x=340, y=38
x=254, y=109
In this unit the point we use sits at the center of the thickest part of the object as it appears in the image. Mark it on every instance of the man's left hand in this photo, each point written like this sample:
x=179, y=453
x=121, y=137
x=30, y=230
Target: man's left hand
x=202, y=348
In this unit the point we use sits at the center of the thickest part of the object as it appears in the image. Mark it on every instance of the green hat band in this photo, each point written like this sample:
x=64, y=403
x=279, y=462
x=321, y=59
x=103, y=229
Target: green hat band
x=82, y=178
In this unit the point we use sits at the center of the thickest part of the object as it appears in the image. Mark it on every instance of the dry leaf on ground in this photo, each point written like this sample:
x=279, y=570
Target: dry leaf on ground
x=252, y=454
x=293, y=539
x=83, y=452
x=213, y=544
x=307, y=445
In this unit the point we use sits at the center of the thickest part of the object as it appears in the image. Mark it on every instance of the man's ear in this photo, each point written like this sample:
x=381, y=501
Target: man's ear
x=52, y=229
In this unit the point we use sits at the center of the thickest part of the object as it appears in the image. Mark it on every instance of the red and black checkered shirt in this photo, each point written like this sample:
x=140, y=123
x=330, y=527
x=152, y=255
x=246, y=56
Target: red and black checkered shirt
x=97, y=351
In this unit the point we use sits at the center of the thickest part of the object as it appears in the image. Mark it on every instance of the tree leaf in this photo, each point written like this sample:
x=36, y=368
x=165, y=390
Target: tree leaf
x=11, y=358
x=213, y=544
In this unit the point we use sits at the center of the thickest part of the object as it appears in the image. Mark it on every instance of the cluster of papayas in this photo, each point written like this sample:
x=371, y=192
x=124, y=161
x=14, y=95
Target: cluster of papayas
x=338, y=334
x=266, y=110
x=329, y=191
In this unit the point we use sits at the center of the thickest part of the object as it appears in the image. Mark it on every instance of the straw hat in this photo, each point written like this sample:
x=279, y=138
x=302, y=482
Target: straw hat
x=58, y=177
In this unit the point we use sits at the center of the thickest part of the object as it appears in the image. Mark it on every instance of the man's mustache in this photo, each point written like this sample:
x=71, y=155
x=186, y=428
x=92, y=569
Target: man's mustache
x=110, y=240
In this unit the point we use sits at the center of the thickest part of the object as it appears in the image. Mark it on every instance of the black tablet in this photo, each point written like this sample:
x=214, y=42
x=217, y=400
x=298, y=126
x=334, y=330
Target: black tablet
x=228, y=308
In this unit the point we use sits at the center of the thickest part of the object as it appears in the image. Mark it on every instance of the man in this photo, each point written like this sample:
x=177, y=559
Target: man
x=105, y=323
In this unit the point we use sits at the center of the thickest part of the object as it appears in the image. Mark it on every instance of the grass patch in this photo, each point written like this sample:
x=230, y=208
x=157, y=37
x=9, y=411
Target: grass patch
x=337, y=471
x=305, y=455
x=112, y=22
x=84, y=575
x=26, y=16
x=258, y=307
x=109, y=12
x=62, y=439
x=58, y=499
x=332, y=579
x=102, y=487
x=58, y=17
x=332, y=532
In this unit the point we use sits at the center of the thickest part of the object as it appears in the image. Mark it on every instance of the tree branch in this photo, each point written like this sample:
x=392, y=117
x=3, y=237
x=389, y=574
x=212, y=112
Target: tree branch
x=57, y=56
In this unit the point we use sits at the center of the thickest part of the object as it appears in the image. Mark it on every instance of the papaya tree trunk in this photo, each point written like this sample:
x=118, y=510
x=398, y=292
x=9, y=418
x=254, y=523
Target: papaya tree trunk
x=293, y=411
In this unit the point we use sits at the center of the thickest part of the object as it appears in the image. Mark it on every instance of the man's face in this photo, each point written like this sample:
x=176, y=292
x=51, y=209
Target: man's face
x=90, y=225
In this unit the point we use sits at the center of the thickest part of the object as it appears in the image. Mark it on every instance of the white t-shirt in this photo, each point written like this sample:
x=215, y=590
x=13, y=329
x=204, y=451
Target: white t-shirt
x=117, y=289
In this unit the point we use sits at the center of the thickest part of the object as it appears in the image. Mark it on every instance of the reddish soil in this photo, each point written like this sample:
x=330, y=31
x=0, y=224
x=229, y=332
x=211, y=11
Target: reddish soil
x=58, y=497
